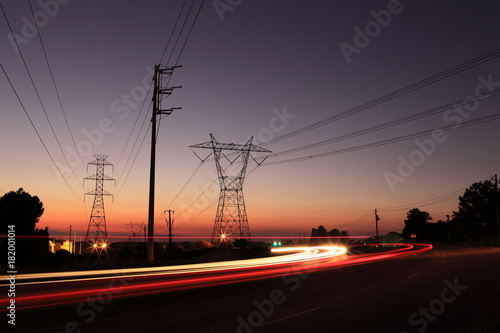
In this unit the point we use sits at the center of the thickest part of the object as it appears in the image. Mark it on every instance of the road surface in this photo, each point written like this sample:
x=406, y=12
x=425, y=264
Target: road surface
x=448, y=289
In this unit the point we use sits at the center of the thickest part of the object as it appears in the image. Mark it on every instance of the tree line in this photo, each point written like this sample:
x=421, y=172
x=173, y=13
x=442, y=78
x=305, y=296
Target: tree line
x=474, y=221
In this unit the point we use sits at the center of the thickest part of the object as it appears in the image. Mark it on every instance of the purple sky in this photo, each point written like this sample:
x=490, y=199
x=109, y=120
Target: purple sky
x=261, y=69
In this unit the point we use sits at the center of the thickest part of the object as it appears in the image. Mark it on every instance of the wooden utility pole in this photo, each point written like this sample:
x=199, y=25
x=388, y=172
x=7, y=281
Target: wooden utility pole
x=170, y=224
x=497, y=208
x=158, y=93
x=376, y=226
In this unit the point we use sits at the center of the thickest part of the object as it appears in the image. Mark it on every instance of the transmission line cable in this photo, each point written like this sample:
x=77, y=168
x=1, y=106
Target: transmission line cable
x=389, y=141
x=133, y=162
x=38, y=96
x=438, y=199
x=414, y=86
x=180, y=53
x=36, y=131
x=391, y=123
x=55, y=86
x=141, y=110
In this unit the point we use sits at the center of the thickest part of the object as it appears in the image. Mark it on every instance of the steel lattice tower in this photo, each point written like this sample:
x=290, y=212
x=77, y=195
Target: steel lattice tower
x=231, y=218
x=97, y=233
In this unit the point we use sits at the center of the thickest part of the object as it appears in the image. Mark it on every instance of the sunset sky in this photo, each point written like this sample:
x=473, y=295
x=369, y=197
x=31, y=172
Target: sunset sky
x=249, y=68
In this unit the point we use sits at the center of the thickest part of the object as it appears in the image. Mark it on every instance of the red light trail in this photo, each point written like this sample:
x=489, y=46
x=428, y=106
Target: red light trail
x=51, y=289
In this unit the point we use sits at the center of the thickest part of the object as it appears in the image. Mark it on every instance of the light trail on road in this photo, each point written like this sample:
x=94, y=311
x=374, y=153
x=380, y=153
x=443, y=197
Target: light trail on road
x=51, y=289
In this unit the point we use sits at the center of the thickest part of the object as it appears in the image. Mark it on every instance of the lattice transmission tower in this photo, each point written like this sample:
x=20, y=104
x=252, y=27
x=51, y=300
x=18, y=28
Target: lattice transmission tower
x=97, y=233
x=231, y=218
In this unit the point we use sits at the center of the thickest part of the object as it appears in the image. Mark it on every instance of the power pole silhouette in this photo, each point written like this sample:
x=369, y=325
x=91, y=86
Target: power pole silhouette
x=231, y=218
x=170, y=224
x=97, y=233
x=158, y=95
x=376, y=226
x=497, y=207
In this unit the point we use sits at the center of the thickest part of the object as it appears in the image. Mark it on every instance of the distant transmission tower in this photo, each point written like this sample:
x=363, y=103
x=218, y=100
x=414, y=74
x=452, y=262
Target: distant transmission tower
x=97, y=233
x=135, y=231
x=231, y=219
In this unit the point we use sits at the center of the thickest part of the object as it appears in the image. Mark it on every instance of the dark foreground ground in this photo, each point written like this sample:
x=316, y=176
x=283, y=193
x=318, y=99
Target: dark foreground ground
x=449, y=289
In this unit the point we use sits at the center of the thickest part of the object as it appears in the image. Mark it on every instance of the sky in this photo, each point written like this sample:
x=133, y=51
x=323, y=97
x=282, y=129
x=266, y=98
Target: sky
x=261, y=69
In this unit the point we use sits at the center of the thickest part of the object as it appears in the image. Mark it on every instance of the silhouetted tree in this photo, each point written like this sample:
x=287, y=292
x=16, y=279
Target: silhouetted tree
x=416, y=224
x=337, y=233
x=316, y=235
x=334, y=233
x=320, y=232
x=476, y=215
x=22, y=210
x=437, y=232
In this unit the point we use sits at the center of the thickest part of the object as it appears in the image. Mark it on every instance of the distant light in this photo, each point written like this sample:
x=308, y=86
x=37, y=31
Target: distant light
x=95, y=245
x=223, y=236
x=104, y=245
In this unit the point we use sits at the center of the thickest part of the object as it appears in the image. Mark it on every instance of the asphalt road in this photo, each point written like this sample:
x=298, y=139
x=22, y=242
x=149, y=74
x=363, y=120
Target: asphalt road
x=448, y=289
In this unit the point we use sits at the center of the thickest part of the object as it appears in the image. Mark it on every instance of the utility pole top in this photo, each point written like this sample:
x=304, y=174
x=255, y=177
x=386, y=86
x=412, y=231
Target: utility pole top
x=159, y=90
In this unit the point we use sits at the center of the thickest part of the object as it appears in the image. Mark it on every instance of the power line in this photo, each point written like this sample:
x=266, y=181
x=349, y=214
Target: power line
x=54, y=83
x=397, y=93
x=186, y=183
x=133, y=162
x=201, y=195
x=317, y=60
x=36, y=131
x=142, y=110
x=172, y=52
x=36, y=92
x=438, y=199
x=189, y=33
x=173, y=31
x=391, y=123
x=389, y=226
x=300, y=72
x=417, y=85
x=388, y=141
x=122, y=48
x=90, y=70
x=142, y=107
x=135, y=142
